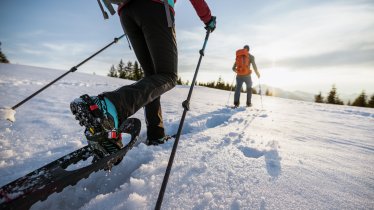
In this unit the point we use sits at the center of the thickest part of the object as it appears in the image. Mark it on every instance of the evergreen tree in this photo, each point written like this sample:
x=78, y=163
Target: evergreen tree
x=254, y=91
x=112, y=72
x=121, y=70
x=339, y=102
x=333, y=98
x=220, y=84
x=371, y=101
x=137, y=73
x=332, y=95
x=318, y=98
x=129, y=71
x=3, y=58
x=349, y=103
x=179, y=81
x=227, y=86
x=360, y=100
x=268, y=93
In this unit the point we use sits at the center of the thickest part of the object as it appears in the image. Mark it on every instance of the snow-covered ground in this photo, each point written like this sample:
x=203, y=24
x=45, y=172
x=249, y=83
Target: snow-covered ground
x=285, y=155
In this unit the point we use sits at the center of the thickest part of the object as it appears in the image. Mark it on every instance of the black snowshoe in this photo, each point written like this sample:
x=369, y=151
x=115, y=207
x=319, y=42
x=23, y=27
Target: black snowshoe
x=55, y=176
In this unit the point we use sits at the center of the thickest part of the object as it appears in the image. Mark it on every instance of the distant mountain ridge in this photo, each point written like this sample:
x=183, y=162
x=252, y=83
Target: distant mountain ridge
x=278, y=92
x=301, y=95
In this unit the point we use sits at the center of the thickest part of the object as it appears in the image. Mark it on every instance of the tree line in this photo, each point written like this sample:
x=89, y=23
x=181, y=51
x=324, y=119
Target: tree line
x=221, y=85
x=332, y=98
x=133, y=71
x=3, y=58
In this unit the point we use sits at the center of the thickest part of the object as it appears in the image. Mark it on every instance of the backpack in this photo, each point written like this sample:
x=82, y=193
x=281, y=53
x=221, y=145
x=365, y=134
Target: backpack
x=242, y=62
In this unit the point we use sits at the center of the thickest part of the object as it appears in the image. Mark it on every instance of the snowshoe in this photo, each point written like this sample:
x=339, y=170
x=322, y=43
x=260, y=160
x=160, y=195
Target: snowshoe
x=52, y=178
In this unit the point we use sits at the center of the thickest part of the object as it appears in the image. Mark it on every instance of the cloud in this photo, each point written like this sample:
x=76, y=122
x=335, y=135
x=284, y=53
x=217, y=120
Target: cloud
x=64, y=55
x=309, y=38
x=66, y=48
x=300, y=45
x=342, y=58
x=323, y=29
x=316, y=35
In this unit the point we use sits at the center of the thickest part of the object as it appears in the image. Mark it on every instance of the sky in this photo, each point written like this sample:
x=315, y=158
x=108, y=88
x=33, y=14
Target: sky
x=298, y=44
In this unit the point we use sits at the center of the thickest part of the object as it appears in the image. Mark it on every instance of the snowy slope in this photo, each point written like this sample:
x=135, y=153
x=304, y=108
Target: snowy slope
x=287, y=155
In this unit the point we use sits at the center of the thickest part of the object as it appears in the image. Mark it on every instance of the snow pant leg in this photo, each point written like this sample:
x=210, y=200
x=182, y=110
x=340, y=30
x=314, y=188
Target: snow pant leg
x=155, y=47
x=248, y=83
x=153, y=117
x=239, y=84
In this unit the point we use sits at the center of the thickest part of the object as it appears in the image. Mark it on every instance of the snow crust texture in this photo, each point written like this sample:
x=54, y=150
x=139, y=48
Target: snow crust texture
x=285, y=155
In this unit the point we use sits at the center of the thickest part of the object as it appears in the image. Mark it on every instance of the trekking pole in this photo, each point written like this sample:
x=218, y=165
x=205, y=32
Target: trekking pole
x=186, y=106
x=230, y=90
x=73, y=69
x=259, y=85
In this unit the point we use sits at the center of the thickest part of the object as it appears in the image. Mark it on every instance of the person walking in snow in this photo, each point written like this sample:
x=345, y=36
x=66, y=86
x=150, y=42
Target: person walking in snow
x=149, y=25
x=243, y=74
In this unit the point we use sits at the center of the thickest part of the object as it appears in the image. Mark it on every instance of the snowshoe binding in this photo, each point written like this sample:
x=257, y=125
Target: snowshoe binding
x=104, y=144
x=99, y=116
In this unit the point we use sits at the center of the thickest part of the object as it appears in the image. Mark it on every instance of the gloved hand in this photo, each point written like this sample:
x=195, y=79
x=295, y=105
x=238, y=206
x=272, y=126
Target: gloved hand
x=211, y=24
x=258, y=75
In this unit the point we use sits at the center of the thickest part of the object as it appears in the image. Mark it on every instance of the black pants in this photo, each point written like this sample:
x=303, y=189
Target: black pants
x=155, y=47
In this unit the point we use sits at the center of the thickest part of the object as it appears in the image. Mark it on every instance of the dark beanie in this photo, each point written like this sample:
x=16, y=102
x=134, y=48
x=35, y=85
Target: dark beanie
x=246, y=47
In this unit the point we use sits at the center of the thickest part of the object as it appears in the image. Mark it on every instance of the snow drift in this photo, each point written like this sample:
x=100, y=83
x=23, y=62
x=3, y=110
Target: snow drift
x=287, y=155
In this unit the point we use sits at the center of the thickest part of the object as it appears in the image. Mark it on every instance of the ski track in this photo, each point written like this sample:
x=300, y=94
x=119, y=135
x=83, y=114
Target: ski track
x=285, y=155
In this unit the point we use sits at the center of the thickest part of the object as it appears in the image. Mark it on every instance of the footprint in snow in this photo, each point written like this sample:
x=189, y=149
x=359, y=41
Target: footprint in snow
x=272, y=158
x=263, y=115
x=251, y=152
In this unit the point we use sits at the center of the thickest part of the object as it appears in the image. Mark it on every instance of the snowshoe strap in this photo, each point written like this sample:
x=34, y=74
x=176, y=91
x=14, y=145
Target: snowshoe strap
x=97, y=137
x=114, y=135
x=94, y=108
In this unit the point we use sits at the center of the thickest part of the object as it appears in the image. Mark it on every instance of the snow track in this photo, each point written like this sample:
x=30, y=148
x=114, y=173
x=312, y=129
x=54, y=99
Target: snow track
x=288, y=155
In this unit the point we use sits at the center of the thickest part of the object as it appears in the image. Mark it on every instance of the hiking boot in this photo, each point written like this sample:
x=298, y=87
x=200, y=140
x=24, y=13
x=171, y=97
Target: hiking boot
x=96, y=113
x=99, y=116
x=236, y=105
x=249, y=104
x=158, y=141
